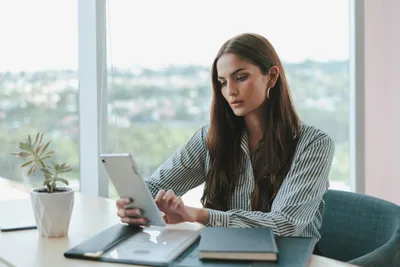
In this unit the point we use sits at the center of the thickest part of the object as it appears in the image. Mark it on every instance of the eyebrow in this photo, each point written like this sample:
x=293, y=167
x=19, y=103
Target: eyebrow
x=233, y=73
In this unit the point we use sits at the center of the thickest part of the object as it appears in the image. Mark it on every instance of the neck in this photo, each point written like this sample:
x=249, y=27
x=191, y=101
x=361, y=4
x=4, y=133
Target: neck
x=254, y=124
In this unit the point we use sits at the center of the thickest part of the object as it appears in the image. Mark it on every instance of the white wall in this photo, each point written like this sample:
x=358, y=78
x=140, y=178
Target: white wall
x=382, y=98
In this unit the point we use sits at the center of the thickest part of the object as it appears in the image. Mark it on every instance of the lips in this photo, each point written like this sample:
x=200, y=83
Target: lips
x=236, y=103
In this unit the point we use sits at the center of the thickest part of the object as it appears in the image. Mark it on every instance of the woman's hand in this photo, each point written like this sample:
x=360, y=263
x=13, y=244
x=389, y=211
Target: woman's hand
x=129, y=215
x=175, y=210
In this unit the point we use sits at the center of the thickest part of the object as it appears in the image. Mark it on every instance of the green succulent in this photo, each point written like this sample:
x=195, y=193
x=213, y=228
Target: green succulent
x=36, y=157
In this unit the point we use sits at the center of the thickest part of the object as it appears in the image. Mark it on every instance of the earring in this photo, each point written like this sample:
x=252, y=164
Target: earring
x=268, y=92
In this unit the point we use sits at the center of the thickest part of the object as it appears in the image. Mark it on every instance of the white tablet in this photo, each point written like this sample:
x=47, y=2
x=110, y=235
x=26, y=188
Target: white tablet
x=123, y=172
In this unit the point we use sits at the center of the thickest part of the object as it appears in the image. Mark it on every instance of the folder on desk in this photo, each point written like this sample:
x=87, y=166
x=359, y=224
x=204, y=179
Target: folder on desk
x=154, y=245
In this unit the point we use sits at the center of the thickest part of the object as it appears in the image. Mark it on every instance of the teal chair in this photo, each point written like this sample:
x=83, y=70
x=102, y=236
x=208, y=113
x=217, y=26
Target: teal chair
x=360, y=229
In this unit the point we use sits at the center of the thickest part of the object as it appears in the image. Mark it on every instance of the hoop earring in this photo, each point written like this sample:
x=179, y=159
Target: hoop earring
x=268, y=92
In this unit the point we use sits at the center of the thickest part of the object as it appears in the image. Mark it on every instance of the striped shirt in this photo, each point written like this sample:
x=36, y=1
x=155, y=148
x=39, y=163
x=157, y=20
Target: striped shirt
x=297, y=208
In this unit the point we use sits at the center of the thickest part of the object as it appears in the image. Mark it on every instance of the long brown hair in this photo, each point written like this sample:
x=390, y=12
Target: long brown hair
x=281, y=130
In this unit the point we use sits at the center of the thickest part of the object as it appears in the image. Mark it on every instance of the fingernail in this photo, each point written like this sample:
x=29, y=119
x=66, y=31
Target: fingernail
x=138, y=212
x=127, y=201
x=122, y=212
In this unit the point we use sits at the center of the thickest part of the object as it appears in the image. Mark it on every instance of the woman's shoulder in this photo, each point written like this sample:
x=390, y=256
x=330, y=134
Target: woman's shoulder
x=202, y=131
x=200, y=135
x=311, y=135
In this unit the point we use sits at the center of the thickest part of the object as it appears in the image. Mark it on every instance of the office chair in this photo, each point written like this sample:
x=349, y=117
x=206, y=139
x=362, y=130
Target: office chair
x=360, y=229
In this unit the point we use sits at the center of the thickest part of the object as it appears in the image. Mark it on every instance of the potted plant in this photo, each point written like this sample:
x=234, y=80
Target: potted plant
x=52, y=204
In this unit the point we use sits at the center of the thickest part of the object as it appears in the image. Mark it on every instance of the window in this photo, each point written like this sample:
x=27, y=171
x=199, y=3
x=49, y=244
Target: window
x=159, y=70
x=38, y=85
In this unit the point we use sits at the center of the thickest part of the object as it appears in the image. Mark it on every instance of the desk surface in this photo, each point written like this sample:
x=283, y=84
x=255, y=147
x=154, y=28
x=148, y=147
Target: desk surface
x=90, y=216
x=12, y=190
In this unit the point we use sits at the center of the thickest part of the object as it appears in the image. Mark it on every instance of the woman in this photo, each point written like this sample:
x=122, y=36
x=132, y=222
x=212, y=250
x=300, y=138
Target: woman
x=261, y=166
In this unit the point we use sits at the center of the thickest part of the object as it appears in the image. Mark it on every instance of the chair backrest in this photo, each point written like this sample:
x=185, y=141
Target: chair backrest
x=360, y=229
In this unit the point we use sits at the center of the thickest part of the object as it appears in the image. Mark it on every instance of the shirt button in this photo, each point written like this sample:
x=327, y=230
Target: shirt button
x=218, y=224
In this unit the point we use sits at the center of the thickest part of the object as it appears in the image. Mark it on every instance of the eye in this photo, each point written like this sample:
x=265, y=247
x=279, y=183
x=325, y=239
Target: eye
x=242, y=77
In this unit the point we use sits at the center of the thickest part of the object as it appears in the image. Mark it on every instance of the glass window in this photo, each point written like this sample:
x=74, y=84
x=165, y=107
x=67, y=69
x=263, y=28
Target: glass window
x=38, y=87
x=160, y=55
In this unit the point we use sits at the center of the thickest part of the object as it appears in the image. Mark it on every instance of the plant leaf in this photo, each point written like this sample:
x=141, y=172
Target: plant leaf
x=32, y=169
x=24, y=146
x=36, y=139
x=23, y=154
x=41, y=138
x=67, y=169
x=59, y=179
x=60, y=168
x=26, y=163
x=29, y=139
x=45, y=147
x=50, y=153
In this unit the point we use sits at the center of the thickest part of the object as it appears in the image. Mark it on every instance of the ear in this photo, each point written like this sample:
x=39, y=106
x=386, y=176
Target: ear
x=273, y=76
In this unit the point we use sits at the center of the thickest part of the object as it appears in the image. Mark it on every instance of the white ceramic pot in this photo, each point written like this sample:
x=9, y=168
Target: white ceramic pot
x=53, y=211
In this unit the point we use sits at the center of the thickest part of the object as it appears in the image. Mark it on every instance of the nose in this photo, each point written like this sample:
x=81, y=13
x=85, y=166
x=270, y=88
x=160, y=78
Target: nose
x=232, y=89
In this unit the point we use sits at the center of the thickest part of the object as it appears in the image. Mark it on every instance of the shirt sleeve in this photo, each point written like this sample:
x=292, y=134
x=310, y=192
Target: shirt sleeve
x=298, y=198
x=184, y=170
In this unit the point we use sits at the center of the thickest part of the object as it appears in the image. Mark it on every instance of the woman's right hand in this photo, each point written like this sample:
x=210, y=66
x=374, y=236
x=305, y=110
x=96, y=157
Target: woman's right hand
x=129, y=215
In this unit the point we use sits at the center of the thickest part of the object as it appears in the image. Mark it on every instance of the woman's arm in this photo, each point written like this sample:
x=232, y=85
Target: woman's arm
x=298, y=198
x=184, y=170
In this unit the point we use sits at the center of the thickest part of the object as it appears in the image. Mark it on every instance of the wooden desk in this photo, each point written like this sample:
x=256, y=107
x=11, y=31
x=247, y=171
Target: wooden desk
x=90, y=216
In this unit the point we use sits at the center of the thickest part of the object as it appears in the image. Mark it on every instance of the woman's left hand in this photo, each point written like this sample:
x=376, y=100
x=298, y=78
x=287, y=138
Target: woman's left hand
x=174, y=209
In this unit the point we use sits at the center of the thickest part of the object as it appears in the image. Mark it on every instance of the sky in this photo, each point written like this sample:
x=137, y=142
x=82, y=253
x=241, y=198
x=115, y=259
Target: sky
x=43, y=34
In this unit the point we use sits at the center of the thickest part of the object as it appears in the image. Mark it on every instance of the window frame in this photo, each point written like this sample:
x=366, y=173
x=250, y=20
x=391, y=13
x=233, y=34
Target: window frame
x=357, y=97
x=92, y=75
